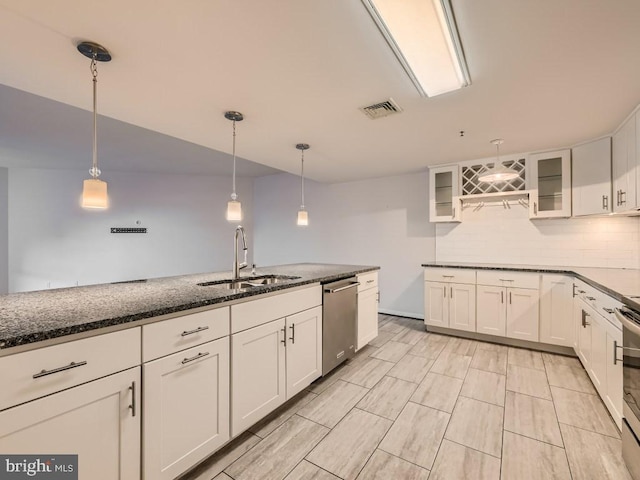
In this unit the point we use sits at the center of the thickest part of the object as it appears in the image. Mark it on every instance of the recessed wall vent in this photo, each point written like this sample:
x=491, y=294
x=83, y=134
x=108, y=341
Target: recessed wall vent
x=382, y=109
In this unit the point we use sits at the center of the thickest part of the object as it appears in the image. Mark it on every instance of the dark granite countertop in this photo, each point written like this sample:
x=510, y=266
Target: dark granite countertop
x=623, y=284
x=31, y=317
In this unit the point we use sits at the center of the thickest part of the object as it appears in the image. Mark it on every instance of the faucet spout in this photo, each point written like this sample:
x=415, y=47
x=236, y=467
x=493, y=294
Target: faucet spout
x=239, y=266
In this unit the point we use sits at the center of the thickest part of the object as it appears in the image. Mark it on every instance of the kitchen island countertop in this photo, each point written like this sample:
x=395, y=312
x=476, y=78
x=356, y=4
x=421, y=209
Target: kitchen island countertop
x=31, y=317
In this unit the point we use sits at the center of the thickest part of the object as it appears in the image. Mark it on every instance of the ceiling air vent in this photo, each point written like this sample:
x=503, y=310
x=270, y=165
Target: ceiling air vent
x=382, y=109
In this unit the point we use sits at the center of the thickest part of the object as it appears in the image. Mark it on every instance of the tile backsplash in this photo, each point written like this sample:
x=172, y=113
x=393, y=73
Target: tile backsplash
x=494, y=234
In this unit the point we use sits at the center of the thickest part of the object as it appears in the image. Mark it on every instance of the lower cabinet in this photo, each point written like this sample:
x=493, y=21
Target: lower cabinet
x=556, y=311
x=506, y=311
x=271, y=363
x=99, y=421
x=614, y=389
x=186, y=408
x=368, y=297
x=450, y=305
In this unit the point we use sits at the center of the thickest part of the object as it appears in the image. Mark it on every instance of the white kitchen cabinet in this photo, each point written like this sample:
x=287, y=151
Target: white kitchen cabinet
x=436, y=304
x=550, y=184
x=303, y=350
x=258, y=375
x=99, y=421
x=444, y=185
x=186, y=408
x=614, y=388
x=591, y=178
x=624, y=166
x=368, y=296
x=584, y=337
x=522, y=313
x=557, y=326
x=462, y=307
x=598, y=367
x=492, y=314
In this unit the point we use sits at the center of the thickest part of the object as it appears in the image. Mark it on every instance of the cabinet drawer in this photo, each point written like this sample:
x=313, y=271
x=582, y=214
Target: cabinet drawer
x=169, y=336
x=505, y=278
x=262, y=310
x=450, y=275
x=367, y=281
x=66, y=365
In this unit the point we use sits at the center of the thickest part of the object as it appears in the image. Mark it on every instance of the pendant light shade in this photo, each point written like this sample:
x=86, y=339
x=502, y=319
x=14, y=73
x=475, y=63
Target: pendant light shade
x=499, y=173
x=94, y=194
x=234, y=207
x=94, y=191
x=303, y=215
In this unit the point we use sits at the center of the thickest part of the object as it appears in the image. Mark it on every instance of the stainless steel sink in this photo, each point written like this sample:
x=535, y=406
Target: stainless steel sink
x=248, y=282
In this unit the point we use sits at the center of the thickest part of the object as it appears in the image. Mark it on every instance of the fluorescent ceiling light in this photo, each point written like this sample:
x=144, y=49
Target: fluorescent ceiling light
x=424, y=38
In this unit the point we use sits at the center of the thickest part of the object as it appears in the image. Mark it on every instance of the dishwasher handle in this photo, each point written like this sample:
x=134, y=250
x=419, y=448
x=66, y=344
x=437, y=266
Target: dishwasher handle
x=340, y=289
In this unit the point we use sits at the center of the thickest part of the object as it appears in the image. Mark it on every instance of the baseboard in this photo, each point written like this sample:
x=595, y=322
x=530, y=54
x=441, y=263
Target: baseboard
x=398, y=313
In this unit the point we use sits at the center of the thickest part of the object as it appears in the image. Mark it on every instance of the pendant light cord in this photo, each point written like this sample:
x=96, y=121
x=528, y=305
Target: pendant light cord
x=233, y=194
x=302, y=181
x=95, y=173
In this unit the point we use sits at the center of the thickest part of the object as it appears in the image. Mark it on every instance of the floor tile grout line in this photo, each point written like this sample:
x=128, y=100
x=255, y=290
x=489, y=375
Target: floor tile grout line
x=480, y=400
x=590, y=431
x=536, y=439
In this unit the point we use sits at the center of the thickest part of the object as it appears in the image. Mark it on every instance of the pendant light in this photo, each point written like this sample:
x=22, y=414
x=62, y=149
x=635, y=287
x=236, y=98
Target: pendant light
x=94, y=190
x=303, y=215
x=499, y=173
x=234, y=207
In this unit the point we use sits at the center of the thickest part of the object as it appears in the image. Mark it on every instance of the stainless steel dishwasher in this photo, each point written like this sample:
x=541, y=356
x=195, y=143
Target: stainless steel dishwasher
x=339, y=315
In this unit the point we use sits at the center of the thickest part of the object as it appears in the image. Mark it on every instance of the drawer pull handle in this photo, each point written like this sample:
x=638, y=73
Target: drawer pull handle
x=195, y=357
x=506, y=280
x=448, y=276
x=44, y=373
x=195, y=330
x=591, y=298
x=284, y=336
x=370, y=281
x=293, y=333
x=133, y=399
x=608, y=310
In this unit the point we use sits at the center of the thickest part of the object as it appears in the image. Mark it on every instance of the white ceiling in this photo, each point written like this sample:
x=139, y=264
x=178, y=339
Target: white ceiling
x=545, y=74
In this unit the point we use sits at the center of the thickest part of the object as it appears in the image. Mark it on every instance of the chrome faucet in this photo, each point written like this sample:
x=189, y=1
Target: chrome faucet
x=236, y=266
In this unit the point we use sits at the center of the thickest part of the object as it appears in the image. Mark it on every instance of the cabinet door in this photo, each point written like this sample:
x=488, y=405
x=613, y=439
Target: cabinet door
x=584, y=336
x=93, y=420
x=491, y=317
x=367, y=316
x=436, y=304
x=258, y=382
x=613, y=398
x=522, y=314
x=624, y=166
x=591, y=178
x=598, y=367
x=556, y=311
x=443, y=187
x=550, y=184
x=303, y=349
x=462, y=307
x=186, y=408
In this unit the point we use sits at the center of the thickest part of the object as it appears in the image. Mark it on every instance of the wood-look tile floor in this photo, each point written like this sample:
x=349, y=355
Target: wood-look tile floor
x=415, y=405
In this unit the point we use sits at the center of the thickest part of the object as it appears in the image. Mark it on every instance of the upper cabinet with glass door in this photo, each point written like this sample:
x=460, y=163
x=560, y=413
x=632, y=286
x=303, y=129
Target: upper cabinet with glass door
x=550, y=184
x=444, y=185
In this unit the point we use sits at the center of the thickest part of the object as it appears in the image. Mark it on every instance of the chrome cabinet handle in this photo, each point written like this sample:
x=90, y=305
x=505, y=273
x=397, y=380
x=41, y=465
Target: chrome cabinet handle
x=591, y=298
x=581, y=291
x=284, y=335
x=293, y=333
x=605, y=202
x=509, y=298
x=370, y=281
x=195, y=357
x=608, y=310
x=623, y=197
x=617, y=198
x=615, y=352
x=132, y=407
x=44, y=373
x=191, y=332
x=584, y=319
x=506, y=280
x=501, y=297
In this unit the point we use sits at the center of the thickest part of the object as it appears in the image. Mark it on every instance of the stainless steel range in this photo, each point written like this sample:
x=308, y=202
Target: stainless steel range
x=630, y=320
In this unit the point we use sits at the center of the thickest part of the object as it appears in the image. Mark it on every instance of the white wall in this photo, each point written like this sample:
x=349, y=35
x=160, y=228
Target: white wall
x=54, y=243
x=374, y=222
x=496, y=235
x=4, y=230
